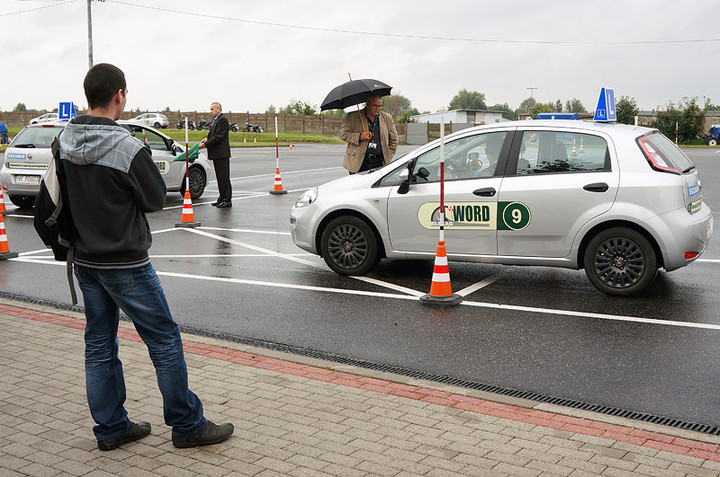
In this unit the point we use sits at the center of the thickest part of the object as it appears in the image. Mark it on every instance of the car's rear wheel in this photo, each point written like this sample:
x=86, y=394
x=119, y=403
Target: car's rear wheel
x=198, y=181
x=349, y=246
x=23, y=201
x=620, y=261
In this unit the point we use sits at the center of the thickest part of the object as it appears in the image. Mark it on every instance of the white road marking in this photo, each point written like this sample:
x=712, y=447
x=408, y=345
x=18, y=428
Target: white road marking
x=473, y=288
x=497, y=306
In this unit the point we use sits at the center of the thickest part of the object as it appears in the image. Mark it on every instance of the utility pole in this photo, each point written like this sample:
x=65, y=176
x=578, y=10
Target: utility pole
x=532, y=101
x=90, y=42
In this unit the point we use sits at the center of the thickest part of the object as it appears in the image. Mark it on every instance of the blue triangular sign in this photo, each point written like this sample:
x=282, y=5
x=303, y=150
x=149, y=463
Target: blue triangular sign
x=605, y=110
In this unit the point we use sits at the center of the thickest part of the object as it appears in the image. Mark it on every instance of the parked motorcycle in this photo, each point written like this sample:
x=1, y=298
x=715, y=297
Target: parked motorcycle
x=181, y=124
x=252, y=128
x=234, y=127
x=202, y=124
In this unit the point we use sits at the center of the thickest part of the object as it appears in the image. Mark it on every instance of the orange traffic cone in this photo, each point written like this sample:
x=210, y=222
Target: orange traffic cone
x=244, y=139
x=254, y=139
x=5, y=252
x=291, y=147
x=440, y=289
x=581, y=146
x=277, y=187
x=574, y=151
x=2, y=202
x=188, y=218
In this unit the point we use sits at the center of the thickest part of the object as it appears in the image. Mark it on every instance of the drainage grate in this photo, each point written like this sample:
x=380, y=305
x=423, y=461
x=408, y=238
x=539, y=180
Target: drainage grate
x=531, y=396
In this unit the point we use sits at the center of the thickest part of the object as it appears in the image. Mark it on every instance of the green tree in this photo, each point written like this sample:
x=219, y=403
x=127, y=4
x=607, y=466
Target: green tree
x=626, y=109
x=541, y=108
x=20, y=107
x=468, y=100
x=299, y=107
x=507, y=112
x=558, y=106
x=574, y=106
x=405, y=116
x=688, y=116
x=525, y=106
x=396, y=104
x=270, y=110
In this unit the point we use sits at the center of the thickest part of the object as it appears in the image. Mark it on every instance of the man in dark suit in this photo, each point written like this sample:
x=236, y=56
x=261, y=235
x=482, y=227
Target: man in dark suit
x=217, y=143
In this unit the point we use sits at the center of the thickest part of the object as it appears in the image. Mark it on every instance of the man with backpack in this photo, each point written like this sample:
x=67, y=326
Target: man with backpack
x=110, y=183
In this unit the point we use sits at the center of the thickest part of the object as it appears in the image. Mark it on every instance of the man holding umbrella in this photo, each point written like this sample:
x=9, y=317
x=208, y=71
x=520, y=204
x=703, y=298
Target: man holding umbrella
x=371, y=136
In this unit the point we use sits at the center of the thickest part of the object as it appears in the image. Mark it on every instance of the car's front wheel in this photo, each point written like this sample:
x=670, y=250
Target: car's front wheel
x=23, y=201
x=712, y=142
x=620, y=261
x=198, y=181
x=156, y=125
x=349, y=246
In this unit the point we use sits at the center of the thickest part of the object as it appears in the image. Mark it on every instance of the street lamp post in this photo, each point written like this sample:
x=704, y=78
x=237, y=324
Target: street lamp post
x=532, y=100
x=90, y=41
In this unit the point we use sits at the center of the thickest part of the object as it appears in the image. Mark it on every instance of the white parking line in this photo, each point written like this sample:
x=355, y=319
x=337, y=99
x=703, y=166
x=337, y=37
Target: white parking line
x=497, y=306
x=473, y=288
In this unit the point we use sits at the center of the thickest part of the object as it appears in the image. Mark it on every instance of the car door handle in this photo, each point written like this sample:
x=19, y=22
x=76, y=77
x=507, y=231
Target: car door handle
x=485, y=192
x=597, y=187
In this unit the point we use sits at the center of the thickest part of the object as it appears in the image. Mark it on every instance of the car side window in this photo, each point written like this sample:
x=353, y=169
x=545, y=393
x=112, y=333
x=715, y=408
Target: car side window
x=546, y=152
x=469, y=157
x=153, y=140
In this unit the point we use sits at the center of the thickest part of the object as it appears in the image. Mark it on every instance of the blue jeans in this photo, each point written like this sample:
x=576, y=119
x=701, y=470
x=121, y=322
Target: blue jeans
x=138, y=293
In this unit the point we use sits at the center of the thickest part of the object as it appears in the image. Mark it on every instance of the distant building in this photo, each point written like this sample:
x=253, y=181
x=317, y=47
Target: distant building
x=467, y=116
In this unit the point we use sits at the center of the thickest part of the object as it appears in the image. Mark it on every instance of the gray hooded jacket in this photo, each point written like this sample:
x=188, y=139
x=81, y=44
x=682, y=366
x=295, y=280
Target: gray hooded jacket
x=112, y=182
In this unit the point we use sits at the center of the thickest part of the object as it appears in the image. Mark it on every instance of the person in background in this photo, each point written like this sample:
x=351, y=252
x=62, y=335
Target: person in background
x=3, y=133
x=111, y=183
x=371, y=136
x=217, y=144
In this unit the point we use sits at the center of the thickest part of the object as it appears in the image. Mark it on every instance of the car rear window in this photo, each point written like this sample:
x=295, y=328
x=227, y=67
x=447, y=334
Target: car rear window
x=40, y=137
x=663, y=155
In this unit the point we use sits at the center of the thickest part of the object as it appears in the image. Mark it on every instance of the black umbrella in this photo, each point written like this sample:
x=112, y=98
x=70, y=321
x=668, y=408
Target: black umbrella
x=353, y=92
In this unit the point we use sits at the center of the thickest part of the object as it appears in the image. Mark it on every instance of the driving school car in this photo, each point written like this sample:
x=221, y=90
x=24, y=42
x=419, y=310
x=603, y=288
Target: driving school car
x=28, y=155
x=618, y=201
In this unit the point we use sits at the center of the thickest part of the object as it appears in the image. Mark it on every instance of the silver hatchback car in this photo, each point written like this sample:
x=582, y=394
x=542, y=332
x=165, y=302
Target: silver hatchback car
x=619, y=201
x=28, y=155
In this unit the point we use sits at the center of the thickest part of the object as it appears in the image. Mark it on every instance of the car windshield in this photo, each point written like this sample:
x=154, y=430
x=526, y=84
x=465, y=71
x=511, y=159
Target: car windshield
x=41, y=137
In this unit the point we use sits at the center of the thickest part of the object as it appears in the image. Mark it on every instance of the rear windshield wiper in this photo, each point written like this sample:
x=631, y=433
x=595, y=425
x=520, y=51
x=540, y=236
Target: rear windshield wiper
x=24, y=145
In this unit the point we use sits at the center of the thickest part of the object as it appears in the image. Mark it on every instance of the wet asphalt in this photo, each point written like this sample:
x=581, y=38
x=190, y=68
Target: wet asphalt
x=533, y=329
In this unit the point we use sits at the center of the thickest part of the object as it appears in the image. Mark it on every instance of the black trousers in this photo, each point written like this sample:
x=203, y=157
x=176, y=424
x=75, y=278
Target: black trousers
x=222, y=173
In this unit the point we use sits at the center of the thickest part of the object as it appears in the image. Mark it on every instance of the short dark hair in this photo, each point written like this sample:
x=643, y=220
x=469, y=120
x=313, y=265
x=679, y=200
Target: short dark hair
x=101, y=83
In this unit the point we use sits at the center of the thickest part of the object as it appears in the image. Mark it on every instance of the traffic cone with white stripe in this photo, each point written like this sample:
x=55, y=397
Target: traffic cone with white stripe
x=2, y=202
x=5, y=252
x=188, y=218
x=277, y=186
x=440, y=289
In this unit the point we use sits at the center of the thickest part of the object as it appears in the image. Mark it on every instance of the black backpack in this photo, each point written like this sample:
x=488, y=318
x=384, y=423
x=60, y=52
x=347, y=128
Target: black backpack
x=53, y=222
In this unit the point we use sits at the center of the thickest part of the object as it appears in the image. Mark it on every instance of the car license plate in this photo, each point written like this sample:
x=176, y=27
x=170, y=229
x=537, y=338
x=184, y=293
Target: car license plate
x=24, y=179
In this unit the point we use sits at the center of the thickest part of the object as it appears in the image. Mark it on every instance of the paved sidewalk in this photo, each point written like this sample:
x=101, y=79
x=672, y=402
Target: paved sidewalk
x=300, y=417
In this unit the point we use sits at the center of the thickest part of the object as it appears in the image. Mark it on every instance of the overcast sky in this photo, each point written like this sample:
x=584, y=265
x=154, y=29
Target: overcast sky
x=248, y=55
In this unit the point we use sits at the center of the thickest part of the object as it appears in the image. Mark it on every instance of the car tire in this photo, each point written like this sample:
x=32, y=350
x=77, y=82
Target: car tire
x=23, y=201
x=349, y=246
x=620, y=262
x=198, y=181
x=713, y=142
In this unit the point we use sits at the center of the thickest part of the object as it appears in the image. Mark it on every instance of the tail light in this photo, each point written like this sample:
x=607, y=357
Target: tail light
x=654, y=157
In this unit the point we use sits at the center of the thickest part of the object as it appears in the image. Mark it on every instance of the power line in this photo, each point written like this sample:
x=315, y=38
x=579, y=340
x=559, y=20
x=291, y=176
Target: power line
x=36, y=8
x=419, y=37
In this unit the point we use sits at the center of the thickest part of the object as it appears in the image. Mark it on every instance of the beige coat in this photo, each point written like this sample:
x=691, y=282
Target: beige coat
x=355, y=152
